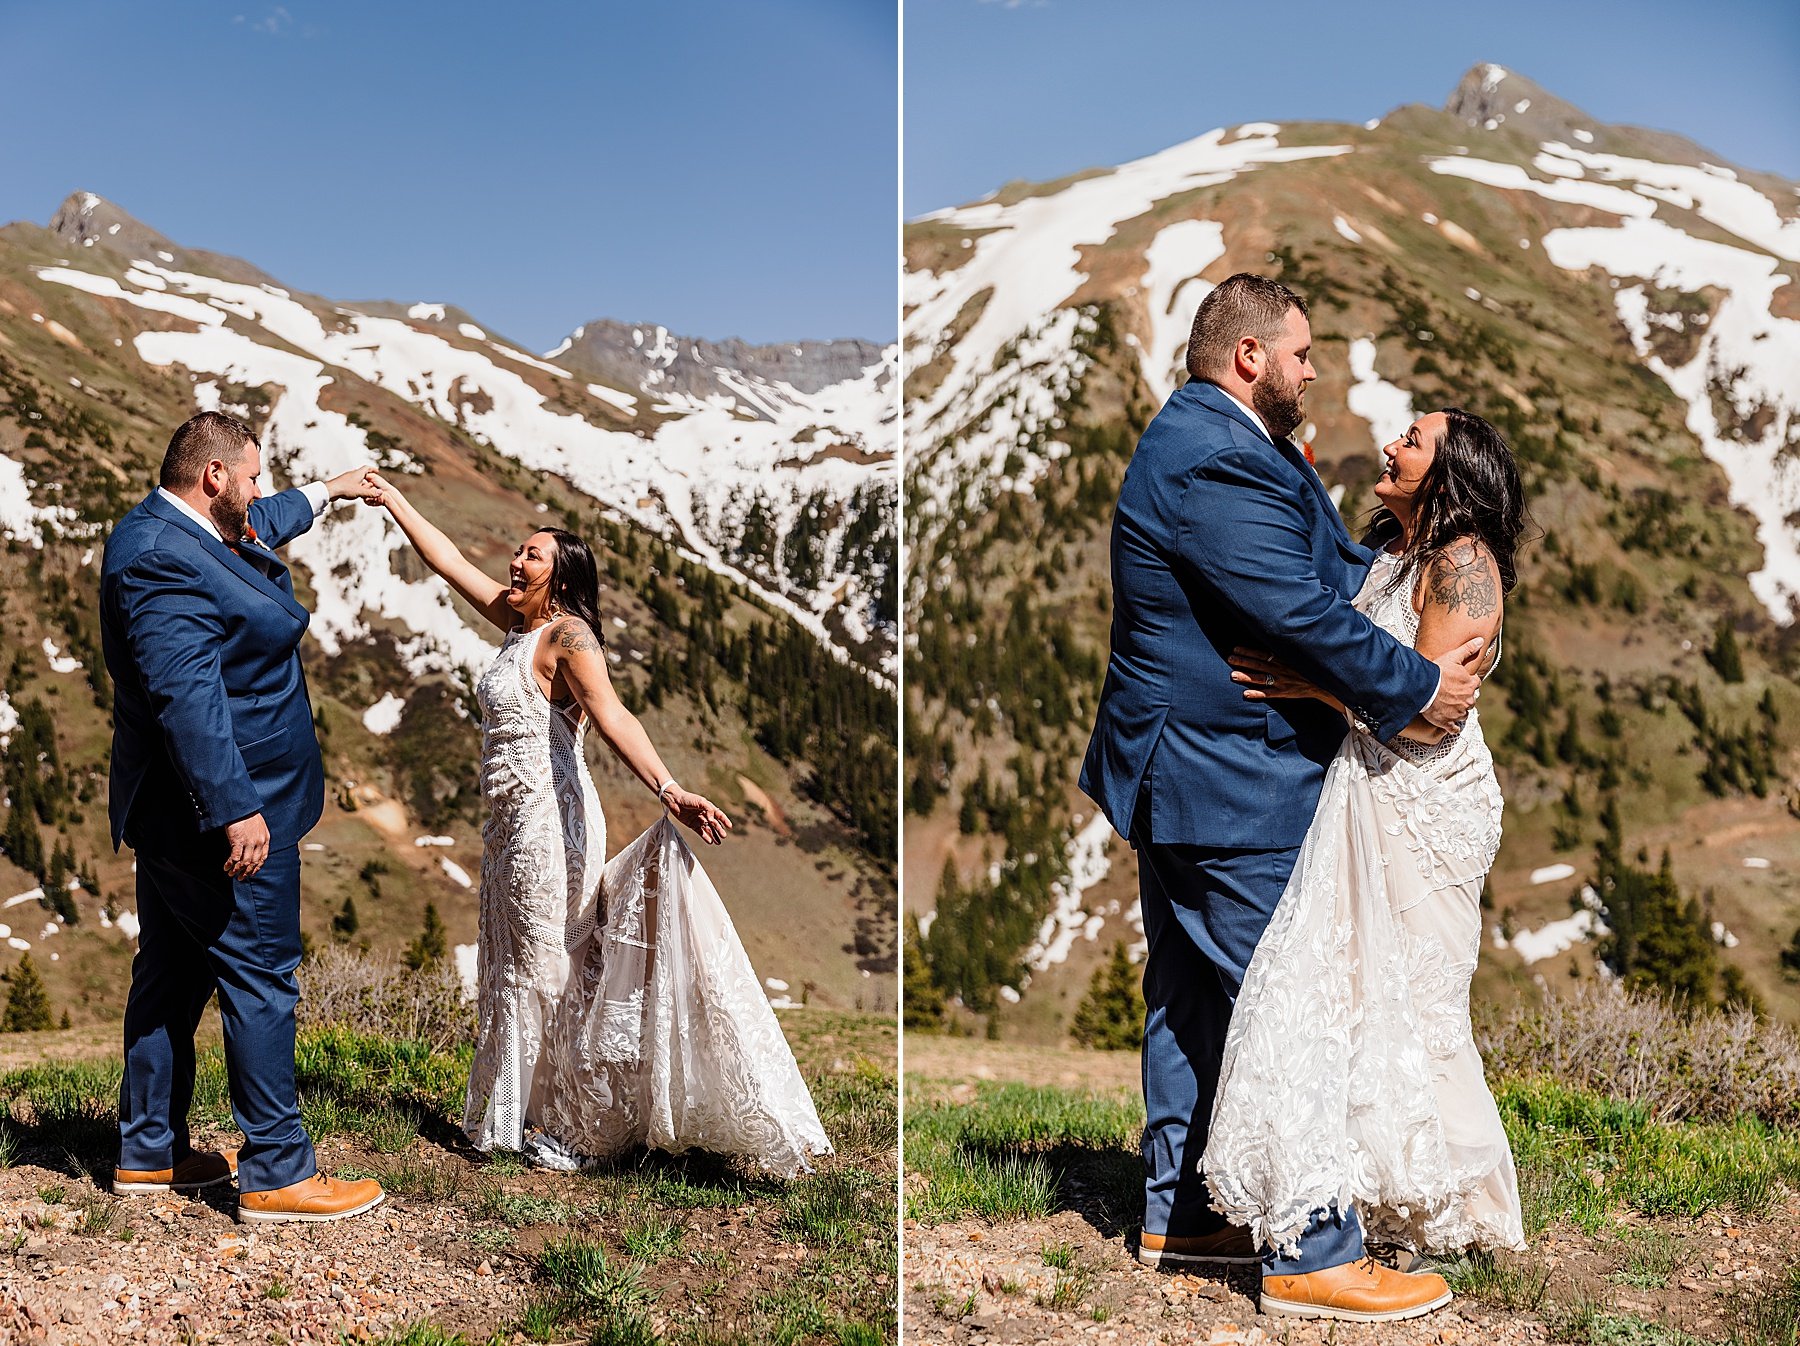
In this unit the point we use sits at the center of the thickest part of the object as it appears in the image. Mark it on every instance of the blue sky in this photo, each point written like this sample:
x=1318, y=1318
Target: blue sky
x=1034, y=89
x=723, y=168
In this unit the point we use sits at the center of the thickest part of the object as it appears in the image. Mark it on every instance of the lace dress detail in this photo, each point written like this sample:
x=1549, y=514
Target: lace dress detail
x=617, y=1006
x=1350, y=1073
x=542, y=849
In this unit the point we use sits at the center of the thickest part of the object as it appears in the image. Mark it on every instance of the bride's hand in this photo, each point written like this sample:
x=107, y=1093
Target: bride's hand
x=381, y=491
x=705, y=818
x=1265, y=678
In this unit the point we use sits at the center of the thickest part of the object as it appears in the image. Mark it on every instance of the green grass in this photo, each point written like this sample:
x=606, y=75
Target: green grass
x=422, y=1333
x=1652, y=1256
x=831, y=1210
x=1589, y=1323
x=652, y=1238
x=384, y=1092
x=419, y=1179
x=1511, y=1282
x=1018, y=1152
x=1581, y=1158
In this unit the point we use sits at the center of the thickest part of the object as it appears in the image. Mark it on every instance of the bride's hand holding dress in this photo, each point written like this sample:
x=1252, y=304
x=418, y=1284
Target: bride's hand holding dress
x=616, y=1006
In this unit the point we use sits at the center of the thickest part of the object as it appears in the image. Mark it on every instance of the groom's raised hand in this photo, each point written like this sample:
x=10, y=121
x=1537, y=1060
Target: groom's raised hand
x=354, y=485
x=1458, y=685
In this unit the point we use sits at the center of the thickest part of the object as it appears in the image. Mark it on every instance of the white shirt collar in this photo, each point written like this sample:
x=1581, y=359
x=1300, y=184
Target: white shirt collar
x=1255, y=420
x=200, y=518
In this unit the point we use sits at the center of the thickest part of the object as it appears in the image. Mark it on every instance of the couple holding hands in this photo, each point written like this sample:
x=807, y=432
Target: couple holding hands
x=616, y=1005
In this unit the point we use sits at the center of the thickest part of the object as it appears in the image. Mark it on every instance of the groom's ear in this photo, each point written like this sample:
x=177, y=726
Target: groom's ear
x=1247, y=358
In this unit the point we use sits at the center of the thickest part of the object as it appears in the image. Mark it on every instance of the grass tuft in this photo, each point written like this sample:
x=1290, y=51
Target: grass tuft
x=580, y=1268
x=653, y=1238
x=1503, y=1279
x=827, y=1211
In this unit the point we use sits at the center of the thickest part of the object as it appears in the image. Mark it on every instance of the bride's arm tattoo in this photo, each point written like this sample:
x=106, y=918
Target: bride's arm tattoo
x=576, y=638
x=1462, y=578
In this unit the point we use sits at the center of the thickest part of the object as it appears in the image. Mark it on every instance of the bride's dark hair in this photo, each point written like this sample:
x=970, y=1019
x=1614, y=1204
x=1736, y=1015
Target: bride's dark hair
x=1472, y=489
x=575, y=579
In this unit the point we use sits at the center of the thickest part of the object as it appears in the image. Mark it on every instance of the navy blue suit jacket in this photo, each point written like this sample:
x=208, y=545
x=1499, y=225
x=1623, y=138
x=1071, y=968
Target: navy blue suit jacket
x=211, y=721
x=1223, y=539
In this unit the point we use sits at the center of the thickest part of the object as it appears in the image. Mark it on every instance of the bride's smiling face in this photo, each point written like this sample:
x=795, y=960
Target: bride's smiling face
x=528, y=577
x=1406, y=460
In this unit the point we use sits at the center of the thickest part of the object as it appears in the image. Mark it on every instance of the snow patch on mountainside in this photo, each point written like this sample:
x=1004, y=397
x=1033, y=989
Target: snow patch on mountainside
x=1746, y=358
x=1615, y=200
x=683, y=480
x=20, y=519
x=1017, y=357
x=1387, y=409
x=1172, y=291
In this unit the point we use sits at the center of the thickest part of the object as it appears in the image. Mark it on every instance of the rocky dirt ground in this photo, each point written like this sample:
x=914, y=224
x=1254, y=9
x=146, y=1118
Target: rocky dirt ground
x=463, y=1249
x=970, y=1282
x=1665, y=1281
x=80, y=1266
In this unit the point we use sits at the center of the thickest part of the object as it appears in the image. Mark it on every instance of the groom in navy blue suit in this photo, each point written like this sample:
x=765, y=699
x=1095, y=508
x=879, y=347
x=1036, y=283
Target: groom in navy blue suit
x=216, y=776
x=1224, y=537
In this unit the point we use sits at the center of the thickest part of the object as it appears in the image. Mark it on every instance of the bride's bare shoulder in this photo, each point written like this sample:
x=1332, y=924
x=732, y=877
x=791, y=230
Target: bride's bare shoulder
x=1462, y=579
x=570, y=635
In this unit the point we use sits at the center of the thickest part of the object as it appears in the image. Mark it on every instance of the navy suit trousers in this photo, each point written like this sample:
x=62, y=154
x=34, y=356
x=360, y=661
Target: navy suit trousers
x=1205, y=908
x=200, y=932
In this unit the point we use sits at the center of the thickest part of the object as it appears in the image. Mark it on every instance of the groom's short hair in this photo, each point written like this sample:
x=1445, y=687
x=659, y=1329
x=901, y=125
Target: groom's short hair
x=197, y=441
x=1243, y=305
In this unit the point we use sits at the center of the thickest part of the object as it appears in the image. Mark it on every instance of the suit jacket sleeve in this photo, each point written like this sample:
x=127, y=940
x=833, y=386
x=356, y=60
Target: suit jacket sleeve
x=175, y=633
x=281, y=517
x=1248, y=542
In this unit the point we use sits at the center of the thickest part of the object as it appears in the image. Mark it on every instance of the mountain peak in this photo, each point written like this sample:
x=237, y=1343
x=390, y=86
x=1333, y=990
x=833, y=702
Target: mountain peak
x=1491, y=98
x=85, y=220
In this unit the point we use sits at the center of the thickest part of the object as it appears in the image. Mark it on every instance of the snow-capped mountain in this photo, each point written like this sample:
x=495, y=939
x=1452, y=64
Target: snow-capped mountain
x=726, y=472
x=1620, y=301
x=745, y=538
x=995, y=290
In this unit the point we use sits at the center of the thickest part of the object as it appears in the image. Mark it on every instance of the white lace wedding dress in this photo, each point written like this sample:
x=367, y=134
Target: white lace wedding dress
x=616, y=1006
x=1350, y=1072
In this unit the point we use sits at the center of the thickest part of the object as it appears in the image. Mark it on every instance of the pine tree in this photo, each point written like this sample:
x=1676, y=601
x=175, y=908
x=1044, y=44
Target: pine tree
x=345, y=923
x=1111, y=1014
x=1723, y=655
x=27, y=1003
x=431, y=944
x=1790, y=956
x=924, y=1001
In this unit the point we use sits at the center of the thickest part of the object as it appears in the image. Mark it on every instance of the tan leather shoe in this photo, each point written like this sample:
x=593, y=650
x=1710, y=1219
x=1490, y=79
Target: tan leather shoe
x=313, y=1201
x=1357, y=1292
x=1230, y=1246
x=200, y=1169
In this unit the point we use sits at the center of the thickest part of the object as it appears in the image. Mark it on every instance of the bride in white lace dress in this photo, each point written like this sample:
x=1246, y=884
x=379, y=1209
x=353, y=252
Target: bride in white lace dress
x=1350, y=1071
x=615, y=1004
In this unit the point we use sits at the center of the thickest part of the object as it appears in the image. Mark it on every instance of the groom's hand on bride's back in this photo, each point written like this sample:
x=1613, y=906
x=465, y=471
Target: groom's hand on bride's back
x=1459, y=684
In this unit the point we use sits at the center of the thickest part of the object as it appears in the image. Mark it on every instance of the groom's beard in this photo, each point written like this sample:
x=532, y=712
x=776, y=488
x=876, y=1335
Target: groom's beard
x=1277, y=402
x=230, y=513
